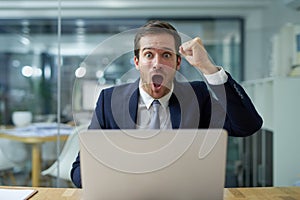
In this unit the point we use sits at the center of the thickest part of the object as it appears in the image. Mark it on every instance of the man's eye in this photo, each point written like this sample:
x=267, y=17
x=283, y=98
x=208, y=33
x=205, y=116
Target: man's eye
x=167, y=55
x=148, y=55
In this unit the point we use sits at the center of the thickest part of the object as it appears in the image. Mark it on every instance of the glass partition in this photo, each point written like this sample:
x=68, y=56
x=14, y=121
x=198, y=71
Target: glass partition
x=29, y=57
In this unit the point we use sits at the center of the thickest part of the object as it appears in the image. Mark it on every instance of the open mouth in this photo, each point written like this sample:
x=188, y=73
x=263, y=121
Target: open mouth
x=157, y=80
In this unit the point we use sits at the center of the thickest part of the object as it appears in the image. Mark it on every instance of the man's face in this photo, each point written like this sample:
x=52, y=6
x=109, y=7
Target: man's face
x=157, y=63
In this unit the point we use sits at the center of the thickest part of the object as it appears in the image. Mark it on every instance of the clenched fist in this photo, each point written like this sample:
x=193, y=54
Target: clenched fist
x=195, y=53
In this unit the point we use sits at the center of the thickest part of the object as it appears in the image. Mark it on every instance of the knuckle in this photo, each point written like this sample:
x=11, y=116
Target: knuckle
x=198, y=40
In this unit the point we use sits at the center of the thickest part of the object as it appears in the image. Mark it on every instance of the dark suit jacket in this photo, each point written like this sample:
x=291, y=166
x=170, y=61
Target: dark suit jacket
x=191, y=105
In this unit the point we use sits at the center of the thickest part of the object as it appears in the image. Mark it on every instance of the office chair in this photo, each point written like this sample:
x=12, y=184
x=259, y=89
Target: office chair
x=13, y=155
x=6, y=165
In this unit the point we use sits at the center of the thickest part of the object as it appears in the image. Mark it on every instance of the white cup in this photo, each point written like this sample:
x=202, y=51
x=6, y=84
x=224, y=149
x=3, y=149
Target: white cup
x=21, y=118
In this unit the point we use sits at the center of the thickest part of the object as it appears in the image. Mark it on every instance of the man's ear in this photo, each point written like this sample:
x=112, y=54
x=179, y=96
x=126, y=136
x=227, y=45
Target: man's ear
x=178, y=62
x=136, y=62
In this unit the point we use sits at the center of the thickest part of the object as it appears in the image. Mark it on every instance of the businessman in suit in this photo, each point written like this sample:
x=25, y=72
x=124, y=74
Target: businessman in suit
x=157, y=57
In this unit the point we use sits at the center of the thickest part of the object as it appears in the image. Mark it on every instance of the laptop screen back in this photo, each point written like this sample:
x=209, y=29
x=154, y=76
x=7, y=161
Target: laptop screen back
x=153, y=164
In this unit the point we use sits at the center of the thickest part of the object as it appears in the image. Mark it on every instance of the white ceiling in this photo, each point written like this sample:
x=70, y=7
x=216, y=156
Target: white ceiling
x=111, y=8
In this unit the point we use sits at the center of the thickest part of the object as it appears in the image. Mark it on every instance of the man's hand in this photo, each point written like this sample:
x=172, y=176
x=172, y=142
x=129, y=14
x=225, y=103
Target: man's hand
x=195, y=53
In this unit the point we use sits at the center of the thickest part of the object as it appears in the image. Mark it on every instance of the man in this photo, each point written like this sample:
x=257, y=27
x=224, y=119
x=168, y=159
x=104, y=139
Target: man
x=157, y=49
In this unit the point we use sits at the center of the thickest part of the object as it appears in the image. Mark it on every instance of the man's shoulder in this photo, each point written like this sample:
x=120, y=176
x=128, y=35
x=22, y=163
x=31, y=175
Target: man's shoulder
x=121, y=90
x=193, y=84
x=190, y=88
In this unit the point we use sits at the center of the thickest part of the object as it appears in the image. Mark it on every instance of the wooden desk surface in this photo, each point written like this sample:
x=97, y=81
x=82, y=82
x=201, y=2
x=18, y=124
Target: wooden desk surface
x=259, y=193
x=262, y=193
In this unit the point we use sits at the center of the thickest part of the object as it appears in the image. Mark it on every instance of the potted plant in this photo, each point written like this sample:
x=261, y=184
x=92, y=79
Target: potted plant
x=21, y=118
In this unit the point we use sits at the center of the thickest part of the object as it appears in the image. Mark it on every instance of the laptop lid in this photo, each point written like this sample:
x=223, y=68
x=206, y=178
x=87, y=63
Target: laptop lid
x=153, y=164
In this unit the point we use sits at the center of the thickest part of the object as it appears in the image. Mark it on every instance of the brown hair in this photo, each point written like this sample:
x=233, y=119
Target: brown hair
x=156, y=27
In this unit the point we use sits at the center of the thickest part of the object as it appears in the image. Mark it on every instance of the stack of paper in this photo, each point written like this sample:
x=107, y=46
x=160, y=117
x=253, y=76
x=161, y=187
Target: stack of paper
x=16, y=194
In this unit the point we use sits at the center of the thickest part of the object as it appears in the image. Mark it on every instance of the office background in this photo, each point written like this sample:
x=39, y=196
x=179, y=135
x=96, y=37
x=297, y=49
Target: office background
x=43, y=42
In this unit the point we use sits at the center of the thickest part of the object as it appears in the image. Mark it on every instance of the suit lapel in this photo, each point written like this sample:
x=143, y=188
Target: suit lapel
x=175, y=111
x=124, y=105
x=175, y=108
x=133, y=105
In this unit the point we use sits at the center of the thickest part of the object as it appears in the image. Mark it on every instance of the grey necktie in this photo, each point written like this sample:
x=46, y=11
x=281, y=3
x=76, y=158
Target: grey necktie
x=155, y=122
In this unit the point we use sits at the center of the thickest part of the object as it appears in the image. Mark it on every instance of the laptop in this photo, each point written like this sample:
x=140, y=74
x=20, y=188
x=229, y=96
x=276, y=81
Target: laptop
x=182, y=164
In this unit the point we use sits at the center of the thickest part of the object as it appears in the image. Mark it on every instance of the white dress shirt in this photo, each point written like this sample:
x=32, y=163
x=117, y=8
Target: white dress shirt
x=145, y=101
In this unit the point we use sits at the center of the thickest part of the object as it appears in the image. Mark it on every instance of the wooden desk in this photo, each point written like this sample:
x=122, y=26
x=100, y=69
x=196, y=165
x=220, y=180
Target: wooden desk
x=263, y=193
x=35, y=142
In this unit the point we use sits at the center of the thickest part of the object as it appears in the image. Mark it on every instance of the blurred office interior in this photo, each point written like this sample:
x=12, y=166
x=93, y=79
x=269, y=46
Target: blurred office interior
x=55, y=56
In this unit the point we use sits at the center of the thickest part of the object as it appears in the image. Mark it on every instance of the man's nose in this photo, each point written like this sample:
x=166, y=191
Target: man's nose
x=157, y=62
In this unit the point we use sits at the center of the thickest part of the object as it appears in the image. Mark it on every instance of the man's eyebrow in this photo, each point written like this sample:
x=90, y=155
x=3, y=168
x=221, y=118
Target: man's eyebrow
x=163, y=48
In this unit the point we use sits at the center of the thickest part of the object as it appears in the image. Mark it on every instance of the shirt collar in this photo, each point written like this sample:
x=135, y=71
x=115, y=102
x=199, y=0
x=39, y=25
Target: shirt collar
x=147, y=99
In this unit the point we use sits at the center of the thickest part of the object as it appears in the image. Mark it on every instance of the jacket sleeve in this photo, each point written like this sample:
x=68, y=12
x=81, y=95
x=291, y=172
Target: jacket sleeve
x=75, y=172
x=96, y=123
x=241, y=117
